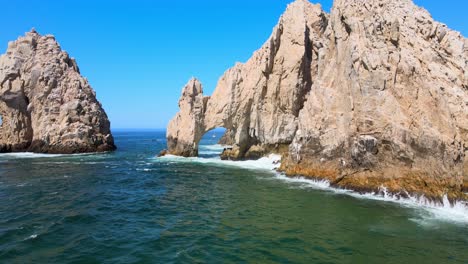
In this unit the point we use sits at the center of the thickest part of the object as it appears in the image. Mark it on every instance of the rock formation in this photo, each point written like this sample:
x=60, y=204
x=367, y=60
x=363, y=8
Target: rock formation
x=228, y=138
x=45, y=105
x=373, y=94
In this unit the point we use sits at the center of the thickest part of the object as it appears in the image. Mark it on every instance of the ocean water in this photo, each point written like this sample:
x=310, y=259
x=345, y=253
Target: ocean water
x=131, y=207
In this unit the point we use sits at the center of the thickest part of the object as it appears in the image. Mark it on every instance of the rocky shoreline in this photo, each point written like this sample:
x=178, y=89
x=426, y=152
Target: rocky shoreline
x=398, y=183
x=372, y=94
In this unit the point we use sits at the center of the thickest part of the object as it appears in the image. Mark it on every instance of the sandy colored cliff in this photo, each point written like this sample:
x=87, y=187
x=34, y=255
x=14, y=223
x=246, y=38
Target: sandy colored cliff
x=374, y=94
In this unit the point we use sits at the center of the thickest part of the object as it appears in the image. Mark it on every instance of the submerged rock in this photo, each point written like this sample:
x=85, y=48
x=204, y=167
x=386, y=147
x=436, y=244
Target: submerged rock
x=46, y=106
x=373, y=94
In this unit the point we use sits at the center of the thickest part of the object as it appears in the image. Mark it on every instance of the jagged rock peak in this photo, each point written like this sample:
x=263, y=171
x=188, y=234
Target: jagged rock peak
x=45, y=104
x=192, y=88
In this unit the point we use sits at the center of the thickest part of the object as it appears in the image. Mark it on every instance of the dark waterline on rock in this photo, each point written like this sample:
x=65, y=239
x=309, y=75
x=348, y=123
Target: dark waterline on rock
x=129, y=207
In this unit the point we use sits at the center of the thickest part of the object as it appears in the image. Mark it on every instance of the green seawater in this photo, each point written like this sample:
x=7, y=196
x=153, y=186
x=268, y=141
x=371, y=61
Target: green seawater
x=131, y=207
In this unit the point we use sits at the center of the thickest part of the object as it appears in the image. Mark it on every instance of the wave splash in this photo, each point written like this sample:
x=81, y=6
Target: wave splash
x=433, y=211
x=209, y=154
x=32, y=155
x=429, y=210
x=269, y=163
x=28, y=155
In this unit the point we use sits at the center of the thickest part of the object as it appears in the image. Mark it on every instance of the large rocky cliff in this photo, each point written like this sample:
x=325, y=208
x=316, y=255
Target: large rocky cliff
x=45, y=105
x=373, y=94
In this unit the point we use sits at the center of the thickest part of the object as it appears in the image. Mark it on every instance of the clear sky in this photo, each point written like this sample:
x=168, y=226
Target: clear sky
x=138, y=54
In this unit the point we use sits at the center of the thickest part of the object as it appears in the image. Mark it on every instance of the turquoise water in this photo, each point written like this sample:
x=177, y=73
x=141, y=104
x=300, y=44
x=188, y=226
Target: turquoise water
x=130, y=207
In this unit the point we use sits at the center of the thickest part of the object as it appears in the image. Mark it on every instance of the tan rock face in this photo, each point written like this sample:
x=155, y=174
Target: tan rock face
x=45, y=105
x=374, y=93
x=192, y=104
x=259, y=101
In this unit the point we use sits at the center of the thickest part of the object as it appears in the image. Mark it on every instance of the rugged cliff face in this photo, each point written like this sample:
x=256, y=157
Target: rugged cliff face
x=45, y=105
x=373, y=94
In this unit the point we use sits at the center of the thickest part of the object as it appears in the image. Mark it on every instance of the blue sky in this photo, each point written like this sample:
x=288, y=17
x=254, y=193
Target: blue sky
x=138, y=54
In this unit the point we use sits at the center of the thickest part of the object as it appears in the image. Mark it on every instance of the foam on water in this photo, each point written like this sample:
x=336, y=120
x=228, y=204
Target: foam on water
x=430, y=211
x=216, y=147
x=33, y=236
x=28, y=155
x=208, y=150
x=269, y=163
x=31, y=155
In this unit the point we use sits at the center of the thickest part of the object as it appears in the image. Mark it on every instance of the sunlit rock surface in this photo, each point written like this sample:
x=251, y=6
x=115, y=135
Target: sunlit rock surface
x=373, y=94
x=45, y=104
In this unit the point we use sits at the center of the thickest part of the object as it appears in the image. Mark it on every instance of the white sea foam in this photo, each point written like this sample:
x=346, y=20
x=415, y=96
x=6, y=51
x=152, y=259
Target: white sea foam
x=208, y=152
x=215, y=147
x=33, y=236
x=432, y=211
x=28, y=155
x=267, y=163
x=429, y=212
x=211, y=149
x=145, y=169
x=31, y=155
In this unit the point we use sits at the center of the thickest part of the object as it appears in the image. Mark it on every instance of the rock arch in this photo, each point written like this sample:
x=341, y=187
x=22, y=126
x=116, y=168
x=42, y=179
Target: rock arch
x=345, y=96
x=259, y=101
x=196, y=117
x=187, y=128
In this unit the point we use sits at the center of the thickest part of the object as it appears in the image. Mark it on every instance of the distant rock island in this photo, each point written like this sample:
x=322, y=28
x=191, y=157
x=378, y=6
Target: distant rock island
x=45, y=105
x=372, y=95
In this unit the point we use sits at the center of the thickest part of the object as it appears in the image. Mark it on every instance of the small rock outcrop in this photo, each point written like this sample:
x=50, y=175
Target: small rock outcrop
x=46, y=106
x=372, y=95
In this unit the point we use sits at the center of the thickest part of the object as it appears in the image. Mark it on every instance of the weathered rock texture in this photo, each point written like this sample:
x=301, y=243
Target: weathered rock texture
x=45, y=105
x=373, y=94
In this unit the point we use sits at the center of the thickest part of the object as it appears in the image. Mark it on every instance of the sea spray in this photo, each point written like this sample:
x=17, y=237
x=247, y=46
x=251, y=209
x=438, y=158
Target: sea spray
x=28, y=155
x=456, y=212
x=31, y=155
x=269, y=163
